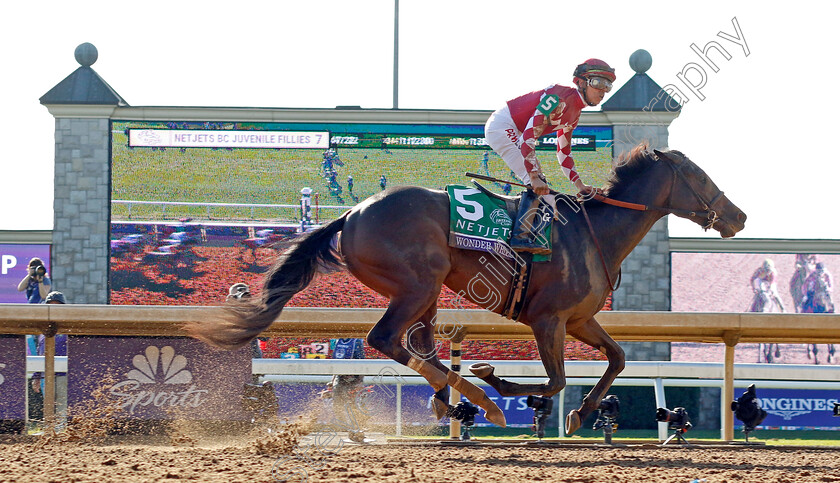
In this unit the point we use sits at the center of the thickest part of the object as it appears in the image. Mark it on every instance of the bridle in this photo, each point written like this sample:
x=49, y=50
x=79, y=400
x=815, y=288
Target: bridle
x=707, y=205
x=708, y=212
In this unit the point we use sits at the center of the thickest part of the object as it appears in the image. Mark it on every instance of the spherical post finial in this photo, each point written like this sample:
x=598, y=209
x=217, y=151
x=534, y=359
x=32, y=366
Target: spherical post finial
x=640, y=61
x=86, y=54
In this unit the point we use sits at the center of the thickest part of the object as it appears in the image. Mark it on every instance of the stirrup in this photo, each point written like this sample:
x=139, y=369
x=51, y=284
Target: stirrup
x=529, y=247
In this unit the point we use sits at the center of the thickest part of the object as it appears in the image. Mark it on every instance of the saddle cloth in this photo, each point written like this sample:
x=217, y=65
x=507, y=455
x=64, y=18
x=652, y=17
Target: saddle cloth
x=481, y=220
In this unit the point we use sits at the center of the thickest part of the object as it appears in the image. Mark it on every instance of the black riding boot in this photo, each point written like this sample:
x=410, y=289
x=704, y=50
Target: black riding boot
x=527, y=225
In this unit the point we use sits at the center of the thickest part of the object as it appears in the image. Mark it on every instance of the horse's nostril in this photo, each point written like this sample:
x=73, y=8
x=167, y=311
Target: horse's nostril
x=742, y=217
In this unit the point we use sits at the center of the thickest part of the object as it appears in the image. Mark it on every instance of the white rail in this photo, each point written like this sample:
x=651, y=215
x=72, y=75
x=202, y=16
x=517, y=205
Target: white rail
x=315, y=207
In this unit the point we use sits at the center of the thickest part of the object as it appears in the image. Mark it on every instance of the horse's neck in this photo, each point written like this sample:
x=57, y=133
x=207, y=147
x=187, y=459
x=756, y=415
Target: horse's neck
x=620, y=230
x=620, y=237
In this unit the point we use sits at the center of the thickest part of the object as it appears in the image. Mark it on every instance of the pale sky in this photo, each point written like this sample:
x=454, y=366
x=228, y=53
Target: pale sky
x=763, y=131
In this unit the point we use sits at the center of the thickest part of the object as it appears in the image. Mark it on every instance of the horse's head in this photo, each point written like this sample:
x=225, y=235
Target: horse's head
x=695, y=196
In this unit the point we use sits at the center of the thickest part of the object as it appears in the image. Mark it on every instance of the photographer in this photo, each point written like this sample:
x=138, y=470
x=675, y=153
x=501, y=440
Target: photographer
x=36, y=283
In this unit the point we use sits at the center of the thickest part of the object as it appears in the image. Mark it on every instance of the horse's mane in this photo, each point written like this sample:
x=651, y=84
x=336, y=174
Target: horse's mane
x=628, y=167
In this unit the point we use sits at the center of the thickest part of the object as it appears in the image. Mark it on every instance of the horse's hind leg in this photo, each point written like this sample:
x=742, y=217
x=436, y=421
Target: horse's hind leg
x=421, y=345
x=386, y=336
x=590, y=332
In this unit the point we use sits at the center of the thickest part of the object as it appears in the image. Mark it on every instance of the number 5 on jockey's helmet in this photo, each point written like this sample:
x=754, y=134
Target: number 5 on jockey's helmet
x=595, y=73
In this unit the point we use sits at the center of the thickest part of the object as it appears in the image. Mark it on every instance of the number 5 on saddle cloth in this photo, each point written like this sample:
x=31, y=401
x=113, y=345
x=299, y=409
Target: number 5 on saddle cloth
x=482, y=220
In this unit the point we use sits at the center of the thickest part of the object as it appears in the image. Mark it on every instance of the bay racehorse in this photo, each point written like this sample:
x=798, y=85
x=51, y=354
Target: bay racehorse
x=396, y=242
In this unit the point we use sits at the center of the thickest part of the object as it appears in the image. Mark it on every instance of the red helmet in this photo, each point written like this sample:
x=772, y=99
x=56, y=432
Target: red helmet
x=595, y=67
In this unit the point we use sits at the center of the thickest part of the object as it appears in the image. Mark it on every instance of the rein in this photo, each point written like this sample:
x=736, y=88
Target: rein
x=711, y=215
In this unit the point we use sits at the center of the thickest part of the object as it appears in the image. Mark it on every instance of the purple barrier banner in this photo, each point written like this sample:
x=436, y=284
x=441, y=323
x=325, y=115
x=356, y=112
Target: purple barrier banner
x=14, y=265
x=381, y=402
x=159, y=377
x=418, y=399
x=12, y=377
x=796, y=408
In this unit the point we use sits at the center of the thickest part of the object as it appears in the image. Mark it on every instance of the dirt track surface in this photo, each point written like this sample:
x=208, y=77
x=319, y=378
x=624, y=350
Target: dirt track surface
x=426, y=463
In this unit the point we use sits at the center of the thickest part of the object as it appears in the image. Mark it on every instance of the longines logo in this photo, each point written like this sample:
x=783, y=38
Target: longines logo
x=790, y=407
x=158, y=379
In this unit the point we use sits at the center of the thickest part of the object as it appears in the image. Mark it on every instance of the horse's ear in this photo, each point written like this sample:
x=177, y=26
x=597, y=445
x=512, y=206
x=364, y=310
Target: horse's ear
x=667, y=155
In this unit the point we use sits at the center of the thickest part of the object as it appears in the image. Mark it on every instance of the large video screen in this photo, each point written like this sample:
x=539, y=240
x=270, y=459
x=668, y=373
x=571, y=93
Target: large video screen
x=196, y=207
x=754, y=282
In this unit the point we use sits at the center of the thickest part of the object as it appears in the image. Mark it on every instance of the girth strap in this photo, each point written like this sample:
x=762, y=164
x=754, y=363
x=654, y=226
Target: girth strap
x=518, y=287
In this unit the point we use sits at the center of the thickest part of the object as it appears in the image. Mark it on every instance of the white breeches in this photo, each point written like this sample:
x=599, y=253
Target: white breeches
x=502, y=135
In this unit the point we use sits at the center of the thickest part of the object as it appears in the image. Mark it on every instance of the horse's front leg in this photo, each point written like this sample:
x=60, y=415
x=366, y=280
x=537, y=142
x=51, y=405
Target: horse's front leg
x=550, y=336
x=590, y=332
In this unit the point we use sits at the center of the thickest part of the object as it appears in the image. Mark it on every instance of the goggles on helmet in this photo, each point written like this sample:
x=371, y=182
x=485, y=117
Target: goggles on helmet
x=599, y=83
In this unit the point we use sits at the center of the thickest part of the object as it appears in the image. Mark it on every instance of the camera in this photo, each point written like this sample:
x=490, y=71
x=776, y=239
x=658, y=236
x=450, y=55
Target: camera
x=676, y=419
x=464, y=412
x=608, y=407
x=748, y=410
x=540, y=403
x=38, y=271
x=837, y=409
x=608, y=410
x=542, y=410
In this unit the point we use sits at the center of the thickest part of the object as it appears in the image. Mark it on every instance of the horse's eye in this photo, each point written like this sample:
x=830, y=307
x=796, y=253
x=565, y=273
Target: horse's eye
x=703, y=179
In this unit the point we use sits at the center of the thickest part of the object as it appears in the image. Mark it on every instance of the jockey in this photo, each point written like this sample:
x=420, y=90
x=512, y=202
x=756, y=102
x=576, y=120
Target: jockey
x=805, y=261
x=823, y=274
x=765, y=274
x=513, y=130
x=764, y=280
x=818, y=280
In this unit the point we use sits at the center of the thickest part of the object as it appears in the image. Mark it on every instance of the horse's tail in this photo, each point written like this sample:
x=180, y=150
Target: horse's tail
x=290, y=274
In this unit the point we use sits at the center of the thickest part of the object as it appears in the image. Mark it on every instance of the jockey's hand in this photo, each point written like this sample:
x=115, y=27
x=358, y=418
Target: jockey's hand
x=538, y=184
x=585, y=191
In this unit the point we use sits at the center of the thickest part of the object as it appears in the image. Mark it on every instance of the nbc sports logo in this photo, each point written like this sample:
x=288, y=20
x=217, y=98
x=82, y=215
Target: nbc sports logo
x=150, y=382
x=160, y=366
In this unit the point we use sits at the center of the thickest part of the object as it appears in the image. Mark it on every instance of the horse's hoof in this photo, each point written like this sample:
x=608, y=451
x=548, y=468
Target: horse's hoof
x=495, y=416
x=481, y=370
x=572, y=421
x=439, y=407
